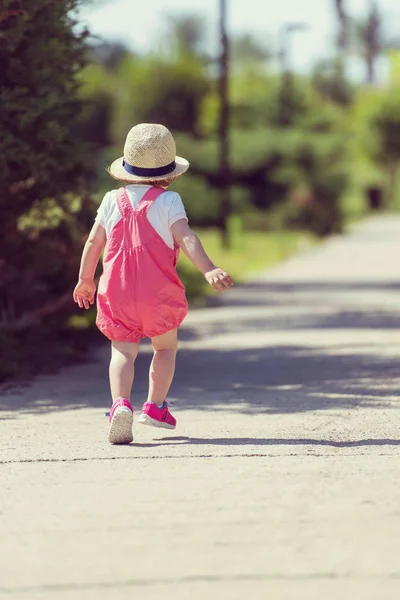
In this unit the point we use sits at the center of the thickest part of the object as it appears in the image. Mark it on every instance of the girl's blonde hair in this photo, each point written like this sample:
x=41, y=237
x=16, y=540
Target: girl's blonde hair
x=162, y=183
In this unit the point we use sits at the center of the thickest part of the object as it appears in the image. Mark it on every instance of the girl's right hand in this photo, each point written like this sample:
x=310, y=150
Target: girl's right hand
x=84, y=293
x=219, y=280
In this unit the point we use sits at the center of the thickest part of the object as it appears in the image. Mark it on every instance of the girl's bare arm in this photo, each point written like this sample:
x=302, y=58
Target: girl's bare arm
x=85, y=289
x=192, y=247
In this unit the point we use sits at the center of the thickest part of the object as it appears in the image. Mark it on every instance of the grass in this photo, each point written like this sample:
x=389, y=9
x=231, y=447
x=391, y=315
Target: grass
x=250, y=253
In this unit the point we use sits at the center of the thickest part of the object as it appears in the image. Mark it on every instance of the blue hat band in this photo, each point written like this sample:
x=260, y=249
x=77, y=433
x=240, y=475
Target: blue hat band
x=157, y=172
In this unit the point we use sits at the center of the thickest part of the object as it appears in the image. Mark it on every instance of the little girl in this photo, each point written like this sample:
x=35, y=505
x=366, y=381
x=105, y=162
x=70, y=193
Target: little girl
x=142, y=226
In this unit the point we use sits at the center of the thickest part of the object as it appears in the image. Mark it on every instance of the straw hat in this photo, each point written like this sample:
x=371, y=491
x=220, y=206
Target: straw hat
x=149, y=155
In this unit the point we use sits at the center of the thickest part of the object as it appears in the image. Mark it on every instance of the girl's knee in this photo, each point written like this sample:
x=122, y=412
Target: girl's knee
x=127, y=349
x=168, y=342
x=166, y=353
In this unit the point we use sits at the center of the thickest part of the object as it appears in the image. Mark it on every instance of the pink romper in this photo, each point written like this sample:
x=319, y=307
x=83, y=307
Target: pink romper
x=140, y=294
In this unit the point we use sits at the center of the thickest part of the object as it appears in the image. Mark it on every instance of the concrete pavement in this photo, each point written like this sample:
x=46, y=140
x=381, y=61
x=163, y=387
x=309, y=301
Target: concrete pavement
x=281, y=478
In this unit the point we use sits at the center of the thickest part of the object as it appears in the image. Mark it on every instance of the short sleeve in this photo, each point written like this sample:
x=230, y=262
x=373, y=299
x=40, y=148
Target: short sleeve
x=176, y=210
x=103, y=212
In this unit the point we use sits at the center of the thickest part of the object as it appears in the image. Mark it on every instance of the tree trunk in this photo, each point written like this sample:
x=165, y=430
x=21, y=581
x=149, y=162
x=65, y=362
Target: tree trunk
x=225, y=204
x=372, y=41
x=393, y=171
x=370, y=68
x=342, y=39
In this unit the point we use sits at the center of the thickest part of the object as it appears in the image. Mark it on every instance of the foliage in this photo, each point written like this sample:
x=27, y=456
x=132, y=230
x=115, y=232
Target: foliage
x=43, y=162
x=302, y=149
x=187, y=35
x=201, y=201
x=306, y=166
x=386, y=122
x=260, y=99
x=98, y=100
x=292, y=101
x=108, y=54
x=330, y=82
x=366, y=37
x=247, y=50
x=156, y=89
x=321, y=181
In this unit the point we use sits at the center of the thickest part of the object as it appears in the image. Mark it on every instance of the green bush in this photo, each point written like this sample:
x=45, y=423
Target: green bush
x=158, y=90
x=387, y=122
x=201, y=201
x=44, y=164
x=261, y=100
x=97, y=92
x=268, y=167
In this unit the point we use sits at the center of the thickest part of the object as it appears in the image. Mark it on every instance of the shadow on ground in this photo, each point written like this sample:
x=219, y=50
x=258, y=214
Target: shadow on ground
x=280, y=378
x=270, y=293
x=179, y=440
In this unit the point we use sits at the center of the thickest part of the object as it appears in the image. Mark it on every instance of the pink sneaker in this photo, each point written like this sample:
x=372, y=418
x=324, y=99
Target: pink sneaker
x=121, y=421
x=157, y=416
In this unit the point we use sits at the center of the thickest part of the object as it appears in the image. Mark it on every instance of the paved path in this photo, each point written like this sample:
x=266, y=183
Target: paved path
x=282, y=479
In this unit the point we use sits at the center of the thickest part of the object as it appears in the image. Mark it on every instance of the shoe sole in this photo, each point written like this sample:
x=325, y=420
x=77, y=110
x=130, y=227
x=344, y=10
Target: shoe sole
x=120, y=431
x=146, y=420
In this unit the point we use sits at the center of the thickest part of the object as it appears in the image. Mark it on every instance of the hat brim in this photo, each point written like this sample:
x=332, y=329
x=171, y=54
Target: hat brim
x=117, y=171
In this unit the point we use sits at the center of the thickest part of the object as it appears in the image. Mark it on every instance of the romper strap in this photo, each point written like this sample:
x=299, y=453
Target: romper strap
x=150, y=196
x=124, y=205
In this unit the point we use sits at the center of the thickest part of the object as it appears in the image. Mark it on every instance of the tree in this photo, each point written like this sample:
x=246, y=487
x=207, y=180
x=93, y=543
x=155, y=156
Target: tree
x=342, y=38
x=97, y=91
x=43, y=160
x=372, y=35
x=370, y=40
x=109, y=54
x=225, y=205
x=245, y=49
x=329, y=80
x=386, y=122
x=161, y=90
x=330, y=77
x=187, y=33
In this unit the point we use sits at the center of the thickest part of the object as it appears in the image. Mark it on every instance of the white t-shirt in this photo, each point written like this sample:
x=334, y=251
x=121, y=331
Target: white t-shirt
x=166, y=210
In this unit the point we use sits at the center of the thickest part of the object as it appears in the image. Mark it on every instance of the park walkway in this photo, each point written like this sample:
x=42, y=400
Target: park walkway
x=282, y=479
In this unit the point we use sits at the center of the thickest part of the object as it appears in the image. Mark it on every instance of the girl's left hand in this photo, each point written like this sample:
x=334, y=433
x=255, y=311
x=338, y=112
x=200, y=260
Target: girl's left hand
x=84, y=293
x=219, y=280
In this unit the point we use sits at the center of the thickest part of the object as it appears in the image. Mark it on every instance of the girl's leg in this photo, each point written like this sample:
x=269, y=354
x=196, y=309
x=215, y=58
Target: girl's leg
x=162, y=368
x=122, y=368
